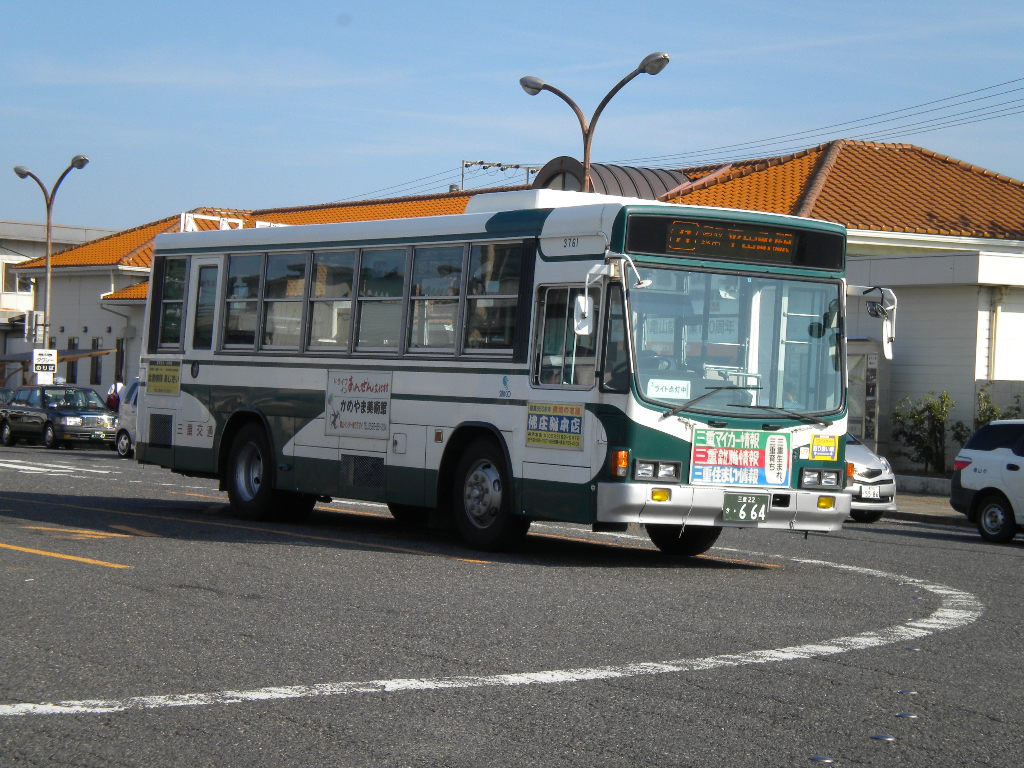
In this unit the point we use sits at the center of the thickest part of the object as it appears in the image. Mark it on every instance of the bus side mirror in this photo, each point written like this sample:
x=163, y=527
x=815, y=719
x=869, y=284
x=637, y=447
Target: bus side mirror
x=883, y=308
x=583, y=315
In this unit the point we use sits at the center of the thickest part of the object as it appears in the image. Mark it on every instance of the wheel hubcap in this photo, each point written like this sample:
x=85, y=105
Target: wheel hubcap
x=249, y=472
x=992, y=517
x=482, y=493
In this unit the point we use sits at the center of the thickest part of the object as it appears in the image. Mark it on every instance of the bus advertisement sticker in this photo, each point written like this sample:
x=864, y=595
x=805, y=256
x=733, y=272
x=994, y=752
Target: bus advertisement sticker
x=555, y=425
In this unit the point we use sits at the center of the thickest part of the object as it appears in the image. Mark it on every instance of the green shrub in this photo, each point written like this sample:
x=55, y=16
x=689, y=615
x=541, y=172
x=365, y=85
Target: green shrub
x=921, y=427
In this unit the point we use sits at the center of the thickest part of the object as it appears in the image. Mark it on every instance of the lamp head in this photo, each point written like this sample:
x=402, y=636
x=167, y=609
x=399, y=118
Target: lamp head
x=532, y=85
x=653, y=63
x=21, y=170
x=79, y=161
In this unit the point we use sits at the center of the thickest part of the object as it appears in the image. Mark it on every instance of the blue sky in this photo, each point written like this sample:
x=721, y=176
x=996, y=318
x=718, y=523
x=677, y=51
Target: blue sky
x=263, y=104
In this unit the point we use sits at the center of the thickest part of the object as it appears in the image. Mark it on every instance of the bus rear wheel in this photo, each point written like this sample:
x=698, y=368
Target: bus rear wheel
x=482, y=498
x=249, y=479
x=685, y=542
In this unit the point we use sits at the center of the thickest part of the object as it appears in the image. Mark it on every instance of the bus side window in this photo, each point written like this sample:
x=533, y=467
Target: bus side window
x=615, y=365
x=563, y=358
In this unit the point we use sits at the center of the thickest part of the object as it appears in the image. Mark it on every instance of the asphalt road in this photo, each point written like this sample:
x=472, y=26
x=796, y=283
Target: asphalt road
x=144, y=626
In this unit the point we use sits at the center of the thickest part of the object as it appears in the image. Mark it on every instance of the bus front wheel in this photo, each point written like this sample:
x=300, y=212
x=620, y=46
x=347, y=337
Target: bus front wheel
x=483, y=499
x=689, y=541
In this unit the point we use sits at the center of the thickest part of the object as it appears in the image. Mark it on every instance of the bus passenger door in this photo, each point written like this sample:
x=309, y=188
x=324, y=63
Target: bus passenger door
x=195, y=431
x=560, y=433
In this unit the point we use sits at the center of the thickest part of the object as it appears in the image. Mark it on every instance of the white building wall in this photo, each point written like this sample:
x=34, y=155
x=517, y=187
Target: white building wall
x=1009, y=357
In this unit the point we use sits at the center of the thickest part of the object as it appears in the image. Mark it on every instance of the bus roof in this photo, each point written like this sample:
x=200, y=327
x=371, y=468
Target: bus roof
x=545, y=213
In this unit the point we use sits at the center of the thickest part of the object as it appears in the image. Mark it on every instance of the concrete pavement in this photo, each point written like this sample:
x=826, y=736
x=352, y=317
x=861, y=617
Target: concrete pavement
x=927, y=509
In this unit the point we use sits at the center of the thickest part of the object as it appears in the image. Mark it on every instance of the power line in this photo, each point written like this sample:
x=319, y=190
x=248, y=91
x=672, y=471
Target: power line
x=917, y=109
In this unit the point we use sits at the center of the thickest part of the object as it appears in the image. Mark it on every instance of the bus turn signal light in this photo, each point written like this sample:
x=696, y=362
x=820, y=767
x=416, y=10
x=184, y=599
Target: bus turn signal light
x=620, y=463
x=826, y=502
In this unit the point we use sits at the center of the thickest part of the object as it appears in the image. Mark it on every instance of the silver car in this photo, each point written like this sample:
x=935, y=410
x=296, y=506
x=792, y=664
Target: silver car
x=873, y=484
x=125, y=441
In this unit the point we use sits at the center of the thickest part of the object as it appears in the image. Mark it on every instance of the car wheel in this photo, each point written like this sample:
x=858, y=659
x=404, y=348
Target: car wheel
x=865, y=515
x=995, y=518
x=685, y=542
x=483, y=499
x=123, y=444
x=6, y=435
x=50, y=437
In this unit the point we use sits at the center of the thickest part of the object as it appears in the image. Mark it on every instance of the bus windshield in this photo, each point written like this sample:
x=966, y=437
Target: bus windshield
x=733, y=344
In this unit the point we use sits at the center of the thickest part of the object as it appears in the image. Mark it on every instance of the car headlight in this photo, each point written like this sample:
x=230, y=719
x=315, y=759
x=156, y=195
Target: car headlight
x=71, y=421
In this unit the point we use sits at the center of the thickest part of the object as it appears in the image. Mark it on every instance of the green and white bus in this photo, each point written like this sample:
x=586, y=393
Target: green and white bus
x=546, y=355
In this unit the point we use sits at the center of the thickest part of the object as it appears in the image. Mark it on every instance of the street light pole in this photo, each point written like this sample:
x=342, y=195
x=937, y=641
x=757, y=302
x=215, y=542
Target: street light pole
x=78, y=161
x=652, y=64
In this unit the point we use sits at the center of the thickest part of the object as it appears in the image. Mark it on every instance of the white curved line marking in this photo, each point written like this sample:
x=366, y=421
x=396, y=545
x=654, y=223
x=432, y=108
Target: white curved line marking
x=957, y=610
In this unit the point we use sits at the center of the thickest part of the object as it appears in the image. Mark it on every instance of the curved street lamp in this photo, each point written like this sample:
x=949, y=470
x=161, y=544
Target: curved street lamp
x=78, y=161
x=652, y=64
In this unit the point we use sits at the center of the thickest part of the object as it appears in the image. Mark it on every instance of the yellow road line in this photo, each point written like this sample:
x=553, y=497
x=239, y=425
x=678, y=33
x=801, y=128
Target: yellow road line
x=135, y=531
x=88, y=560
x=83, y=532
x=277, y=531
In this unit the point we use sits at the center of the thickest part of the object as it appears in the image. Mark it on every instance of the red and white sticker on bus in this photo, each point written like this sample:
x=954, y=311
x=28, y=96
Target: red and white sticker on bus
x=739, y=457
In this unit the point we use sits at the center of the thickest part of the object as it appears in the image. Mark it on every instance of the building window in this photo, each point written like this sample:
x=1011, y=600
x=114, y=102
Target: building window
x=14, y=281
x=71, y=369
x=96, y=364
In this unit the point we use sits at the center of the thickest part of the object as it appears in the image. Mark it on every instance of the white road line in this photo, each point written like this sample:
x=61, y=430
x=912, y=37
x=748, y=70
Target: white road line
x=24, y=466
x=958, y=609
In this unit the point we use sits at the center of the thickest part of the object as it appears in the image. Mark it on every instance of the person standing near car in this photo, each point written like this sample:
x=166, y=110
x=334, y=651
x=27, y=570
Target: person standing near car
x=114, y=395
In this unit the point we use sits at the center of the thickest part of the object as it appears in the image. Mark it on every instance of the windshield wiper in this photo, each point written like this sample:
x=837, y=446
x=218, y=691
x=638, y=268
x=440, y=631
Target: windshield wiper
x=711, y=390
x=805, y=417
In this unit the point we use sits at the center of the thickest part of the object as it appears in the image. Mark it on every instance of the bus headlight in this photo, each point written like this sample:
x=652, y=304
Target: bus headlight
x=657, y=470
x=819, y=478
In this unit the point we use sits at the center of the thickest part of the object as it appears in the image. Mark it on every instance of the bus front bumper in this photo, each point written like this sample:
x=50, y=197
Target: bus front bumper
x=790, y=509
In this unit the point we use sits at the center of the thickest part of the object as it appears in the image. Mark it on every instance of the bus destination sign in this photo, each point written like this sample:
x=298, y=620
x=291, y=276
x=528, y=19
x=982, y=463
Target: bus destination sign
x=753, y=242
x=742, y=243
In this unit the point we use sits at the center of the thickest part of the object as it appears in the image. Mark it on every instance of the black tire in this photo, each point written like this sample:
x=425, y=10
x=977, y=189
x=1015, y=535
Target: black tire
x=482, y=499
x=675, y=540
x=6, y=435
x=50, y=437
x=865, y=515
x=123, y=444
x=995, y=518
x=249, y=475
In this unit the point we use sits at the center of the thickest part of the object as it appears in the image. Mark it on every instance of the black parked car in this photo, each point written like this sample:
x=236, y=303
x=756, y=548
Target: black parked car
x=57, y=415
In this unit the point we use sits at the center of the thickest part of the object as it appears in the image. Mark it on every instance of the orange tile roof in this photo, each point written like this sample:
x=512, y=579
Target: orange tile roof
x=134, y=292
x=129, y=248
x=872, y=186
x=363, y=210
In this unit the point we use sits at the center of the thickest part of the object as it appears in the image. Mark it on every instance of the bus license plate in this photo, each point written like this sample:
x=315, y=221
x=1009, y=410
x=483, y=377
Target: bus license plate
x=745, y=507
x=869, y=492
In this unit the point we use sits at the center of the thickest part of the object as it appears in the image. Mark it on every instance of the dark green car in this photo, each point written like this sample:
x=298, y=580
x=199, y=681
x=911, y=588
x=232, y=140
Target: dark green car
x=57, y=415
